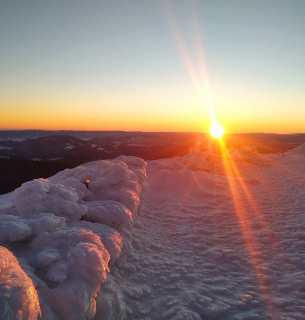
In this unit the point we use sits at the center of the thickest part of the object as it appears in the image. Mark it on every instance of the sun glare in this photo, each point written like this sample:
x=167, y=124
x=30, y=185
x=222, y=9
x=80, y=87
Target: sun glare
x=217, y=131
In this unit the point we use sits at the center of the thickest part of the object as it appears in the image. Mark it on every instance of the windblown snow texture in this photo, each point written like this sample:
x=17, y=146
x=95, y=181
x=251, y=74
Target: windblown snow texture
x=222, y=242
x=61, y=235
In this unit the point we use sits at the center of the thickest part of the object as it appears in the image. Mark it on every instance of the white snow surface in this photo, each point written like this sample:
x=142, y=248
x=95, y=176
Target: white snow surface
x=216, y=238
x=216, y=243
x=69, y=146
x=298, y=151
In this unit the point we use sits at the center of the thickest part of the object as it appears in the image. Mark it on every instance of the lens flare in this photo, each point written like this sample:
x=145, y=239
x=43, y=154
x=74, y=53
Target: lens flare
x=217, y=131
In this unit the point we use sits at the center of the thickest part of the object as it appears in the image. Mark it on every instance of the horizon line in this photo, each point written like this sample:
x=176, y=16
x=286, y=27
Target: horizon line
x=140, y=131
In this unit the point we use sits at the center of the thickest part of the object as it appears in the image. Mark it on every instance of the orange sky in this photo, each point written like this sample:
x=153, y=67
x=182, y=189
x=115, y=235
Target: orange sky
x=166, y=111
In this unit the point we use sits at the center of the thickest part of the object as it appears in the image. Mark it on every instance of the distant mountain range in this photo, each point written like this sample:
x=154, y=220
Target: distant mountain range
x=29, y=154
x=103, y=146
x=26, y=155
x=34, y=134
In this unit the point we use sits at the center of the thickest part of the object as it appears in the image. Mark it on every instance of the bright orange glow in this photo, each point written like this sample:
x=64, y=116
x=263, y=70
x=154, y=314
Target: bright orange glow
x=87, y=183
x=217, y=131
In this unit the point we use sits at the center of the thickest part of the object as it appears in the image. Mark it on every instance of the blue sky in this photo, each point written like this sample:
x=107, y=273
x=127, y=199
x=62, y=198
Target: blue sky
x=116, y=64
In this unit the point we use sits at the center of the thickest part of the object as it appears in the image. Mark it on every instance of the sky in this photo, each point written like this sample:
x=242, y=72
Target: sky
x=153, y=65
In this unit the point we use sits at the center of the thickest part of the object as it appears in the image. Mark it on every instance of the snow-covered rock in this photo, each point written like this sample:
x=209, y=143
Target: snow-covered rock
x=18, y=296
x=66, y=231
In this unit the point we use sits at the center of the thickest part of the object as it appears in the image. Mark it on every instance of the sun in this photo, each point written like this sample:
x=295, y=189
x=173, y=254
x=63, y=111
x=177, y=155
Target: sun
x=217, y=131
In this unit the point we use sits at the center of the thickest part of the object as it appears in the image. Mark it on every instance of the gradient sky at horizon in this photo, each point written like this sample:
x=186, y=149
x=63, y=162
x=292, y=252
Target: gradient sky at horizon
x=127, y=65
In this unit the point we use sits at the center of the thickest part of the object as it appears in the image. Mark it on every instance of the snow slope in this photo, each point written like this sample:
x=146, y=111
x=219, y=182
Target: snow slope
x=298, y=151
x=208, y=246
x=215, y=239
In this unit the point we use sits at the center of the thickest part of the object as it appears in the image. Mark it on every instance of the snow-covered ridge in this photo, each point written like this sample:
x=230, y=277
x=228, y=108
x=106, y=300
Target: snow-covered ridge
x=298, y=151
x=66, y=233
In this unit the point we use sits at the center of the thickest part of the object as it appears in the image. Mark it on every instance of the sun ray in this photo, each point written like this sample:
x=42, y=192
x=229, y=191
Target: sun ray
x=200, y=79
x=238, y=188
x=245, y=225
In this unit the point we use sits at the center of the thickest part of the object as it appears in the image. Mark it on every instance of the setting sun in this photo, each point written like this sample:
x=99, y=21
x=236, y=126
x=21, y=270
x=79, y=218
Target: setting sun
x=217, y=131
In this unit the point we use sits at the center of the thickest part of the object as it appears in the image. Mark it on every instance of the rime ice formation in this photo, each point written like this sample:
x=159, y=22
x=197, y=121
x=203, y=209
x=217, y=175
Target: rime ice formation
x=66, y=232
x=18, y=296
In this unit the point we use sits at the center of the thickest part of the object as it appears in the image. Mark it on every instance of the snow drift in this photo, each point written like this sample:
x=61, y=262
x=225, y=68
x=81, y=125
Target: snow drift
x=59, y=237
x=298, y=151
x=215, y=244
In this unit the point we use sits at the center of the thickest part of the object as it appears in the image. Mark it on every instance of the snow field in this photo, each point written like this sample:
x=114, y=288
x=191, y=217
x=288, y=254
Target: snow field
x=208, y=246
x=65, y=237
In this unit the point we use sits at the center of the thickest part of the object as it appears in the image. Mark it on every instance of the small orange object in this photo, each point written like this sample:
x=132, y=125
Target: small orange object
x=87, y=183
